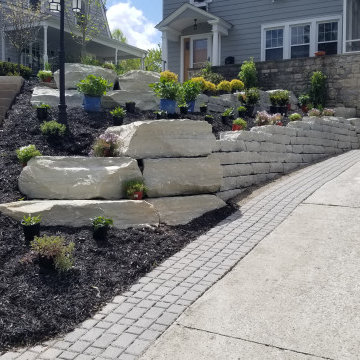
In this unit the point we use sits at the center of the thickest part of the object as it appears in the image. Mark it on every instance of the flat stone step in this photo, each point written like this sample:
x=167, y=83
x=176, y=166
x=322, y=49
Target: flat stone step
x=9, y=87
x=17, y=80
x=6, y=101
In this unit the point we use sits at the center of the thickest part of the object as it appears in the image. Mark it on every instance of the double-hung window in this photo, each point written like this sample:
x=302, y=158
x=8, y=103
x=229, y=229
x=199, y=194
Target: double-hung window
x=300, y=41
x=274, y=46
x=328, y=37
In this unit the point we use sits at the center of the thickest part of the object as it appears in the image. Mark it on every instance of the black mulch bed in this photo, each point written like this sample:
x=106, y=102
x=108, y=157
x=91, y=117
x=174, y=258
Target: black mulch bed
x=34, y=306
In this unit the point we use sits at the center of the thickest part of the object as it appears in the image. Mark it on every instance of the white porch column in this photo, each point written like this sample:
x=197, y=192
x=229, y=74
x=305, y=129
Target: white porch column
x=215, y=47
x=2, y=34
x=116, y=56
x=165, y=53
x=45, y=55
x=142, y=63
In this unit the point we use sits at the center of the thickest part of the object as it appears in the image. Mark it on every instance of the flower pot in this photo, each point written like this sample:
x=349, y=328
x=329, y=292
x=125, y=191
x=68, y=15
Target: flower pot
x=236, y=127
x=224, y=119
x=92, y=103
x=42, y=113
x=100, y=233
x=279, y=123
x=203, y=110
x=241, y=114
x=137, y=195
x=30, y=231
x=47, y=79
x=46, y=264
x=320, y=53
x=168, y=106
x=191, y=106
x=130, y=107
x=183, y=110
x=117, y=121
x=249, y=110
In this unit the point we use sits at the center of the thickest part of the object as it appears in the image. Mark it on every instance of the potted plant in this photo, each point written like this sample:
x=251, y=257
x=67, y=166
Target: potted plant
x=25, y=153
x=53, y=253
x=118, y=115
x=274, y=102
x=224, y=87
x=135, y=189
x=203, y=109
x=101, y=225
x=209, y=119
x=250, y=98
x=239, y=124
x=93, y=87
x=183, y=108
x=106, y=145
x=189, y=92
x=130, y=107
x=304, y=102
x=226, y=115
x=283, y=97
x=241, y=111
x=31, y=227
x=45, y=75
x=160, y=114
x=42, y=111
x=277, y=119
x=263, y=118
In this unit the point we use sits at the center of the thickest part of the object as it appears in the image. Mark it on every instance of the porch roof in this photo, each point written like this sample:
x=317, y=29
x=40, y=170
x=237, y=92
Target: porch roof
x=184, y=17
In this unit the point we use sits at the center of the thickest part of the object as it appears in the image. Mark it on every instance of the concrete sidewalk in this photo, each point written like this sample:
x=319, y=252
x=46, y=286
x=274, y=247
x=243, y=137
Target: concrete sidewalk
x=295, y=296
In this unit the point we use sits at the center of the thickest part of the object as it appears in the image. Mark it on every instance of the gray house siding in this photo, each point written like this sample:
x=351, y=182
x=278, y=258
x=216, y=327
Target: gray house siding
x=247, y=17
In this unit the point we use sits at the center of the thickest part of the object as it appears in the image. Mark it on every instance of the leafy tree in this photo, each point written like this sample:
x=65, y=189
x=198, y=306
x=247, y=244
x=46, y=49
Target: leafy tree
x=21, y=24
x=118, y=35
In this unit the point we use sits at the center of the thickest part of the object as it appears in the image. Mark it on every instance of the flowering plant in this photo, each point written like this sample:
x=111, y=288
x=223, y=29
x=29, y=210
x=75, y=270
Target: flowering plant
x=264, y=118
x=328, y=112
x=314, y=112
x=106, y=145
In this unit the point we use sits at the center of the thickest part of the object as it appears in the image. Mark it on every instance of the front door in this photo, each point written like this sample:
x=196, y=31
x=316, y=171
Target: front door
x=200, y=52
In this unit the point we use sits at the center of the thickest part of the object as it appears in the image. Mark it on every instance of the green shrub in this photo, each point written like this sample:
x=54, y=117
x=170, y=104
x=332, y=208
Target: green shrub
x=7, y=68
x=241, y=109
x=89, y=60
x=295, y=117
x=280, y=98
x=52, y=128
x=240, y=122
x=25, y=153
x=190, y=90
x=224, y=86
x=118, y=112
x=304, y=99
x=169, y=90
x=168, y=76
x=54, y=247
x=109, y=66
x=42, y=106
x=236, y=85
x=248, y=74
x=318, y=89
x=101, y=221
x=209, y=75
x=134, y=186
x=44, y=74
x=30, y=220
x=250, y=97
x=94, y=86
x=228, y=112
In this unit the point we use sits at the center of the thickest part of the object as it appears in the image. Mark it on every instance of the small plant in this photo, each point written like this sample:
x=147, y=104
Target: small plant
x=314, y=112
x=109, y=66
x=276, y=119
x=25, y=153
x=295, y=117
x=190, y=90
x=45, y=75
x=135, y=189
x=328, y=112
x=210, y=88
x=239, y=124
x=209, y=75
x=304, y=100
x=47, y=67
x=106, y=145
x=264, y=118
x=101, y=221
x=54, y=249
x=224, y=86
x=160, y=114
x=90, y=60
x=199, y=80
x=169, y=90
x=250, y=98
x=248, y=74
x=168, y=76
x=279, y=98
x=318, y=89
x=209, y=118
x=236, y=85
x=43, y=106
x=203, y=108
x=30, y=220
x=241, y=110
x=118, y=112
x=94, y=86
x=228, y=112
x=53, y=128
x=183, y=108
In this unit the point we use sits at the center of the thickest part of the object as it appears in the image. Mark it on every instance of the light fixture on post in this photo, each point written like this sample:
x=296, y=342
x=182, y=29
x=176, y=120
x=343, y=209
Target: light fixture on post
x=195, y=24
x=76, y=6
x=54, y=5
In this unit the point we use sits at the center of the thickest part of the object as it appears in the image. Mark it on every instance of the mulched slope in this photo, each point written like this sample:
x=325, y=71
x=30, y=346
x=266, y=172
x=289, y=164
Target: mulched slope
x=34, y=306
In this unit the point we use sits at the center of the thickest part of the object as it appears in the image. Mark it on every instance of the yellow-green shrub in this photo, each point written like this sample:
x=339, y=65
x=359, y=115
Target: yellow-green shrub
x=209, y=86
x=168, y=76
x=236, y=85
x=224, y=86
x=199, y=80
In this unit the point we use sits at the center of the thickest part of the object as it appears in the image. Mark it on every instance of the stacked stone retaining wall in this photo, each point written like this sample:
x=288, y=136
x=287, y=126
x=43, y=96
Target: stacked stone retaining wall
x=253, y=157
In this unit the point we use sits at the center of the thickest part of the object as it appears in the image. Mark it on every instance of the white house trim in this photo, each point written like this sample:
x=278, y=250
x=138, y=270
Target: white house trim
x=313, y=22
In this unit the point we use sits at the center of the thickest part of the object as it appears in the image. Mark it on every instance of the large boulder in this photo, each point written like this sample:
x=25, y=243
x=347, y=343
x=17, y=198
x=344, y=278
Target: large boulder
x=48, y=177
x=165, y=138
x=46, y=95
x=182, y=176
x=77, y=72
x=138, y=80
x=144, y=100
x=180, y=210
x=76, y=213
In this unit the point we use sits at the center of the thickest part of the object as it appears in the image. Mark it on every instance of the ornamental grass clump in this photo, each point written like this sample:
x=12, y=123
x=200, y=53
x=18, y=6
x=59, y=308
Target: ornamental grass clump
x=25, y=153
x=106, y=145
x=52, y=129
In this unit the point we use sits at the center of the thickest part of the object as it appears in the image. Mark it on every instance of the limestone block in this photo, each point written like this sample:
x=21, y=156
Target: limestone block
x=239, y=182
x=182, y=176
x=229, y=194
x=261, y=168
x=181, y=210
x=313, y=149
x=138, y=80
x=144, y=100
x=201, y=99
x=244, y=135
x=298, y=149
x=345, y=112
x=82, y=178
x=229, y=145
x=290, y=167
x=293, y=158
x=293, y=99
x=238, y=158
x=299, y=125
x=77, y=72
x=237, y=170
x=276, y=167
x=272, y=157
x=76, y=213
x=45, y=95
x=272, y=147
x=252, y=146
x=165, y=138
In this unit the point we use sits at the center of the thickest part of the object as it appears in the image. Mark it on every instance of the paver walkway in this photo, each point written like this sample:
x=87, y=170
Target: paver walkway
x=128, y=325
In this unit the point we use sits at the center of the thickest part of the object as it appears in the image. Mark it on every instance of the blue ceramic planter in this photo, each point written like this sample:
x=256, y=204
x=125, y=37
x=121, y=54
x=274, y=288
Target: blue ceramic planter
x=92, y=103
x=168, y=106
x=191, y=106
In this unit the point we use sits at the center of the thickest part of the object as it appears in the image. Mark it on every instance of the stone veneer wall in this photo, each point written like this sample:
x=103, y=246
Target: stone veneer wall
x=253, y=157
x=343, y=73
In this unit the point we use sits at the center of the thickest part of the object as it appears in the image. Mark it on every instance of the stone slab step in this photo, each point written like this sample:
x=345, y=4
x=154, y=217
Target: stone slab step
x=6, y=102
x=9, y=87
x=18, y=80
x=8, y=93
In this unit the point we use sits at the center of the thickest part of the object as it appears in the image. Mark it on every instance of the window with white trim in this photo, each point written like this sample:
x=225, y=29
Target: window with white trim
x=300, y=41
x=274, y=44
x=328, y=37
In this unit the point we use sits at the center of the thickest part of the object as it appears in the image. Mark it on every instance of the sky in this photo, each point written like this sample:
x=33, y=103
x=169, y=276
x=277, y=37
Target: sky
x=136, y=19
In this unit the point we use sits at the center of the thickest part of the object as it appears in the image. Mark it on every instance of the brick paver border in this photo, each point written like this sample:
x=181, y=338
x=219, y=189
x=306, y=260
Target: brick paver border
x=127, y=326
